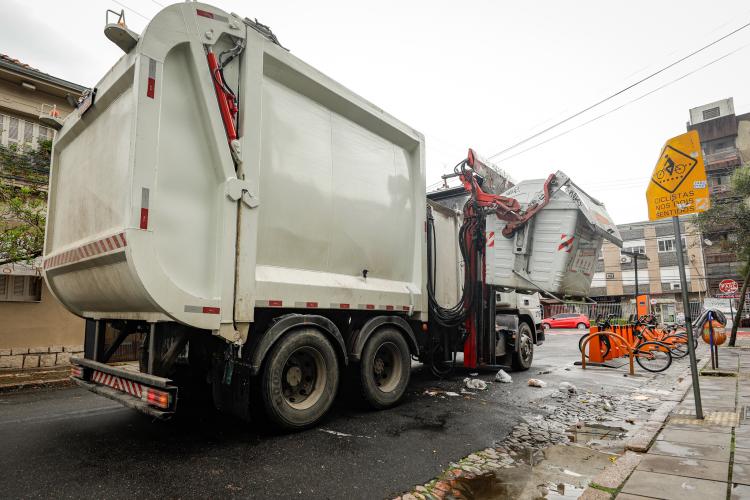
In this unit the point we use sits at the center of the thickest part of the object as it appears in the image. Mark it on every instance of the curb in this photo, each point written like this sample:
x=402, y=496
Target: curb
x=35, y=384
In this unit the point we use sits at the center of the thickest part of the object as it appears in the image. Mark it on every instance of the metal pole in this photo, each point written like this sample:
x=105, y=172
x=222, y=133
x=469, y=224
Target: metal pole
x=635, y=259
x=688, y=318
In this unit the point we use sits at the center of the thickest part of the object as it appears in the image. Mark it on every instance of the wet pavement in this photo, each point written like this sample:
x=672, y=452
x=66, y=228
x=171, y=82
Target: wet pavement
x=76, y=444
x=700, y=459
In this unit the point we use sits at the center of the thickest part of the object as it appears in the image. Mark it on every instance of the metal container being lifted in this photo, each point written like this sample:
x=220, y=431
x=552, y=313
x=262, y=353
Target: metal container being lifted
x=556, y=250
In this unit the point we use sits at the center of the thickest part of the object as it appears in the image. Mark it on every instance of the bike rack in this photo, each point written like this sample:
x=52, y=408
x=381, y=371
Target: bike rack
x=613, y=347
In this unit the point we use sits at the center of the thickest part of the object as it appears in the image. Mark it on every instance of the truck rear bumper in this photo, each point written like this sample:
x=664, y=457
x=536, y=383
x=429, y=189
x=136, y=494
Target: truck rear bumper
x=136, y=390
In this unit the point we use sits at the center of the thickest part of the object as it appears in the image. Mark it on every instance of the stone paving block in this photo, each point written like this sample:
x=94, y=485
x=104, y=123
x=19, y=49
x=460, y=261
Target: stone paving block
x=12, y=361
x=38, y=350
x=19, y=350
x=688, y=467
x=4, y=352
x=673, y=487
x=594, y=494
x=73, y=348
x=741, y=455
x=741, y=473
x=719, y=453
x=628, y=496
x=55, y=348
x=692, y=437
x=614, y=475
x=739, y=491
x=63, y=358
x=47, y=359
x=31, y=361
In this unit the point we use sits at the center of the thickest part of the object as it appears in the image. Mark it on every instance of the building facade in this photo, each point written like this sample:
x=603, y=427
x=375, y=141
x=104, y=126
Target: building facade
x=725, y=140
x=35, y=329
x=656, y=271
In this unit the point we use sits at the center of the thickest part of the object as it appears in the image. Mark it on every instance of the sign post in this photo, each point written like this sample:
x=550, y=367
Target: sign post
x=677, y=187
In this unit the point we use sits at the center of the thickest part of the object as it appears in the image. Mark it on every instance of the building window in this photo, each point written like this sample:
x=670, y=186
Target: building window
x=711, y=113
x=18, y=288
x=28, y=132
x=667, y=244
x=13, y=129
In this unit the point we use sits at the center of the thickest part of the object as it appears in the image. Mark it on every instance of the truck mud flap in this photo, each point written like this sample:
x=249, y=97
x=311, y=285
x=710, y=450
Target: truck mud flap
x=154, y=396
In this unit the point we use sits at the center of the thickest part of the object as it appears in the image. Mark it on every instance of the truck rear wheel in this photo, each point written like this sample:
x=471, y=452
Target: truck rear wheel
x=385, y=368
x=300, y=379
x=524, y=355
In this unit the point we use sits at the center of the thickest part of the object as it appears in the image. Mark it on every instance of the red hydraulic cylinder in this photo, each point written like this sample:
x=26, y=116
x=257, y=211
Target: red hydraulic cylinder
x=225, y=104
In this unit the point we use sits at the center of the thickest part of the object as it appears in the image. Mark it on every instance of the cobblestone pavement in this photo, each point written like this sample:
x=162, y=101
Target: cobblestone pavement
x=601, y=418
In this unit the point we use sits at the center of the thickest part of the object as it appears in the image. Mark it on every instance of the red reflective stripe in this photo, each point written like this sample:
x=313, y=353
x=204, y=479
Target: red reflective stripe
x=405, y=308
x=275, y=303
x=211, y=310
x=144, y=218
x=204, y=13
x=122, y=237
x=344, y=306
x=370, y=306
x=311, y=304
x=151, y=88
x=389, y=308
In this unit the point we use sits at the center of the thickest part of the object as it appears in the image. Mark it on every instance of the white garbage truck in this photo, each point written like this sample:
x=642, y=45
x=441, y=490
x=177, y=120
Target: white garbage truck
x=266, y=232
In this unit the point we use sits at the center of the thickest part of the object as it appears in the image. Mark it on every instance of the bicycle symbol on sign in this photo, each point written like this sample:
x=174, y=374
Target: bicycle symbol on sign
x=671, y=168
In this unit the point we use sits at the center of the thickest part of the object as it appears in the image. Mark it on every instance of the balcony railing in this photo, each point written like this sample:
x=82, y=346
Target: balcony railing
x=723, y=155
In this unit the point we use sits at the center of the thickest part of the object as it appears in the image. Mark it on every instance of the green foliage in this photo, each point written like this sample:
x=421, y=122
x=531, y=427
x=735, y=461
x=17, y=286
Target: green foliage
x=23, y=201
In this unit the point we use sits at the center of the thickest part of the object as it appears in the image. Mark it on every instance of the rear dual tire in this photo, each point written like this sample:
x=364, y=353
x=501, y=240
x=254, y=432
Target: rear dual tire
x=300, y=379
x=385, y=368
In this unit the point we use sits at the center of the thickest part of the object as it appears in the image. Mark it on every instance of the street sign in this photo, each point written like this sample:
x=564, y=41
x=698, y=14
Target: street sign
x=653, y=302
x=678, y=183
x=728, y=286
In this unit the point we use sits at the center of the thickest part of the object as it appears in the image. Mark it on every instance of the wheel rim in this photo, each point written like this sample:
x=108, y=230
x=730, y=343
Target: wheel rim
x=581, y=326
x=525, y=348
x=386, y=367
x=303, y=378
x=545, y=326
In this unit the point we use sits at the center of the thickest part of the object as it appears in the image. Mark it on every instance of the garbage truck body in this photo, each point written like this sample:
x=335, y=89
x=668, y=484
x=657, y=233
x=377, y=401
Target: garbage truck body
x=262, y=228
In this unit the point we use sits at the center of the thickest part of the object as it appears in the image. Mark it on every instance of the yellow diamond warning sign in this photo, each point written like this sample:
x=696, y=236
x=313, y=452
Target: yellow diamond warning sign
x=678, y=184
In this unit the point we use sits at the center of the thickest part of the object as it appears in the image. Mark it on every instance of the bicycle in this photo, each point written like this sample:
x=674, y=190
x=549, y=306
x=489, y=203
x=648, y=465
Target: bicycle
x=604, y=344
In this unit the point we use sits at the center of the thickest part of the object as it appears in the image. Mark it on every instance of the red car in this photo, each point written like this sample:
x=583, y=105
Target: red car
x=567, y=320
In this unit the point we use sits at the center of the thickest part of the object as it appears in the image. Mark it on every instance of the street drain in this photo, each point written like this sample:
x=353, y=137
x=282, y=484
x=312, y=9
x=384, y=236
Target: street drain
x=592, y=432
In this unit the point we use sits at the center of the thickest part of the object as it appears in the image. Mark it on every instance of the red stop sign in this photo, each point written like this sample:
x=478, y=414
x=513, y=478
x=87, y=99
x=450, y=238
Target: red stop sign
x=728, y=286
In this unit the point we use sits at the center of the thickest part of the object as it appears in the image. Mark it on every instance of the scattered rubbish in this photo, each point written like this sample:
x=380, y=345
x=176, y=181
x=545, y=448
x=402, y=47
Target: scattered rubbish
x=594, y=432
x=439, y=393
x=639, y=397
x=535, y=382
x=473, y=374
x=630, y=421
x=503, y=377
x=613, y=459
x=335, y=433
x=607, y=406
x=475, y=383
x=567, y=369
x=543, y=372
x=464, y=391
x=453, y=394
x=571, y=473
x=568, y=387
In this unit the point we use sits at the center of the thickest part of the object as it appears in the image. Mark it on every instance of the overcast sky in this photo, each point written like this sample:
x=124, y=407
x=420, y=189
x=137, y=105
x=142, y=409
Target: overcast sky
x=484, y=74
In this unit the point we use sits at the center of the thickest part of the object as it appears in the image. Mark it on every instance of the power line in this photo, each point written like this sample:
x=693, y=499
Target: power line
x=131, y=10
x=619, y=92
x=622, y=105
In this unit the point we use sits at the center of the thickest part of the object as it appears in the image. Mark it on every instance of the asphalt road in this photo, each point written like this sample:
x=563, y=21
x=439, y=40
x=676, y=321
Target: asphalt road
x=69, y=443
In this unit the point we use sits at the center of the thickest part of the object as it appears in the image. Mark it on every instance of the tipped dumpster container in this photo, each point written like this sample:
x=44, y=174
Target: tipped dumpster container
x=557, y=250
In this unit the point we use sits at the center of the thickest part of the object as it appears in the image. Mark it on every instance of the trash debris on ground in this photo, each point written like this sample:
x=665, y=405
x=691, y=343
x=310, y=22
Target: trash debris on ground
x=535, y=382
x=449, y=393
x=543, y=372
x=473, y=374
x=439, y=393
x=475, y=383
x=568, y=387
x=503, y=377
x=607, y=406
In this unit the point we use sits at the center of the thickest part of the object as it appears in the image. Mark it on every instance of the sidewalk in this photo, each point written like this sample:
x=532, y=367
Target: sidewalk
x=15, y=380
x=702, y=459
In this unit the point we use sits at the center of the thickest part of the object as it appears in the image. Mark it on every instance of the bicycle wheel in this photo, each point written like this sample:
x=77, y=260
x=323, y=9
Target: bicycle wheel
x=653, y=356
x=604, y=345
x=678, y=345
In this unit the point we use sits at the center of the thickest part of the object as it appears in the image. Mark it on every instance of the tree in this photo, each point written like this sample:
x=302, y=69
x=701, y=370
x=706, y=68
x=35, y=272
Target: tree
x=23, y=201
x=732, y=214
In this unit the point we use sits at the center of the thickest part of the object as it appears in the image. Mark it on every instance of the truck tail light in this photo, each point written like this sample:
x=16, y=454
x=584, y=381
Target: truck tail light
x=158, y=398
x=76, y=371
